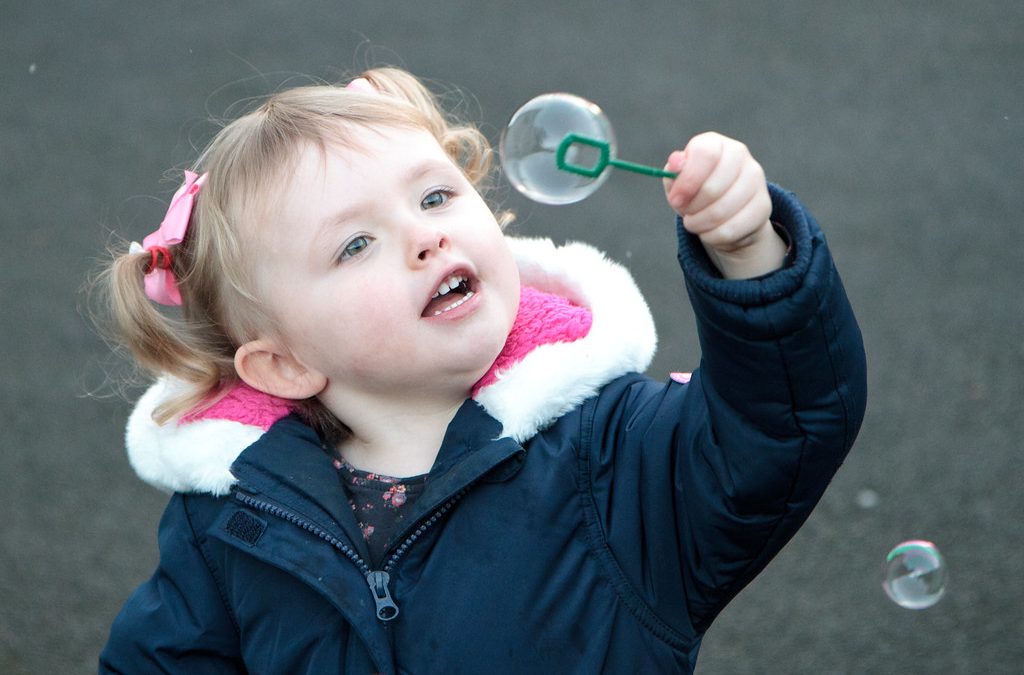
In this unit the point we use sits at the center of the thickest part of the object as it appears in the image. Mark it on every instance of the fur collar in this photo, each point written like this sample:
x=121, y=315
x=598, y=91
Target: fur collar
x=552, y=379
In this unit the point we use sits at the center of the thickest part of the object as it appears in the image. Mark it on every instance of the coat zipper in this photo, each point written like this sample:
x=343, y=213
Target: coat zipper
x=377, y=580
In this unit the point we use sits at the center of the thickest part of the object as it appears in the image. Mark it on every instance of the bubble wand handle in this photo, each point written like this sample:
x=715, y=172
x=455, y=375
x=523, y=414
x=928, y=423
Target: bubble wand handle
x=642, y=168
x=604, y=159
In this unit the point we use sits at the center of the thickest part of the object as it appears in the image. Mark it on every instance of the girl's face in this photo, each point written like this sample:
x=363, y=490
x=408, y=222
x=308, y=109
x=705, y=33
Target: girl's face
x=386, y=271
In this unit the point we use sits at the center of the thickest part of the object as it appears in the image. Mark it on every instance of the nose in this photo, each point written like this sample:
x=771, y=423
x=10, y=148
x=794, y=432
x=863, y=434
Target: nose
x=425, y=243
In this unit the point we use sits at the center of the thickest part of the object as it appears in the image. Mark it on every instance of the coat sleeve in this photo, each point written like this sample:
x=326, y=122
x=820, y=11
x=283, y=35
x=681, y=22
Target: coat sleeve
x=697, y=486
x=176, y=622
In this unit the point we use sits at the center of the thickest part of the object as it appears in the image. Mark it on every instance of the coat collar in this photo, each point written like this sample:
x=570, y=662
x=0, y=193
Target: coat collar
x=549, y=381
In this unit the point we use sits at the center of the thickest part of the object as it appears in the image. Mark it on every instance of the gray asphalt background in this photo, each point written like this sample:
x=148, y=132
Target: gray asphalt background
x=900, y=124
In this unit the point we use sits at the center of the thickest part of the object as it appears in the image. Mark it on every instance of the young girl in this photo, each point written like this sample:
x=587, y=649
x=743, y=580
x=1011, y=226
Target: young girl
x=400, y=441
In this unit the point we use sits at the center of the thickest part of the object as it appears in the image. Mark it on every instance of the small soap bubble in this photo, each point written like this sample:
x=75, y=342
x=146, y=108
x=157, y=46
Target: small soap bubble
x=867, y=499
x=915, y=574
x=530, y=142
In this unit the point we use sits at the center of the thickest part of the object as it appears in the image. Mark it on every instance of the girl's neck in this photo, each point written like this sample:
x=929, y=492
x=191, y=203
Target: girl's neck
x=400, y=442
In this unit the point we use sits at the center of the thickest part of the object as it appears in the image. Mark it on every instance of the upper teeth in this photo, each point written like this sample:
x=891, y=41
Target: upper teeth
x=449, y=284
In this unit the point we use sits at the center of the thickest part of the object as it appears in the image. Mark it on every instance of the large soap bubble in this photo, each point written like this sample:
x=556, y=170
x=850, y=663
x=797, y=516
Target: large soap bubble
x=530, y=143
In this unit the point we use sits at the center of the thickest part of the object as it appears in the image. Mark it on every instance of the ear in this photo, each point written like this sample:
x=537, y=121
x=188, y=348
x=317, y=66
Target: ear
x=264, y=366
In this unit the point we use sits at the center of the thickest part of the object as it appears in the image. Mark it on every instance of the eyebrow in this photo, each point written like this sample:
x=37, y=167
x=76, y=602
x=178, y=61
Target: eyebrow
x=426, y=166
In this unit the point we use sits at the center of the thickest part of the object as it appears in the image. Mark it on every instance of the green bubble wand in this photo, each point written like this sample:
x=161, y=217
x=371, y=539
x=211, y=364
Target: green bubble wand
x=604, y=159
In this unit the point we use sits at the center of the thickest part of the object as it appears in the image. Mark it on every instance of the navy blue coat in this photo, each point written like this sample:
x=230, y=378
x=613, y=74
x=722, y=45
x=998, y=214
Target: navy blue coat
x=606, y=539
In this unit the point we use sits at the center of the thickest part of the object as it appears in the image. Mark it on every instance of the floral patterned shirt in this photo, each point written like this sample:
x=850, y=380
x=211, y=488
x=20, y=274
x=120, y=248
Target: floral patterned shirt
x=380, y=503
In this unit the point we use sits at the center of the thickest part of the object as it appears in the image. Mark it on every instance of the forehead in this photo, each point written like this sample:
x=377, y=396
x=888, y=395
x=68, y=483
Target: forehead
x=364, y=165
x=375, y=154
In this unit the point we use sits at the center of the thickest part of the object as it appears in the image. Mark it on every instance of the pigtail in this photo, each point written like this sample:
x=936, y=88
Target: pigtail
x=160, y=344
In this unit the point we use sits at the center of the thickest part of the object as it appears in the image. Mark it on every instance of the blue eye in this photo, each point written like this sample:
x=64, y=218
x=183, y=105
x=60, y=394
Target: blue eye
x=436, y=198
x=355, y=247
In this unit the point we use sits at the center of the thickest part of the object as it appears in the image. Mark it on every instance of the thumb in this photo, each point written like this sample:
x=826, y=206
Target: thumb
x=675, y=165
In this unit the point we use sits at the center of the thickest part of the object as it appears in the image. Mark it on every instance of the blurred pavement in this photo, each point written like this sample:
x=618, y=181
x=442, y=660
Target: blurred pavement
x=901, y=126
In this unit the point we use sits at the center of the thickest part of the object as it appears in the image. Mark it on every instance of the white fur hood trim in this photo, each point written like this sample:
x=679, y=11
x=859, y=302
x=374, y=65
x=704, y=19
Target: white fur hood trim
x=547, y=383
x=191, y=457
x=553, y=379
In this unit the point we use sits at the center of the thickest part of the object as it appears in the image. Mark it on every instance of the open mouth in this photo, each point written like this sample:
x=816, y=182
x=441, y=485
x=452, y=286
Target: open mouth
x=456, y=289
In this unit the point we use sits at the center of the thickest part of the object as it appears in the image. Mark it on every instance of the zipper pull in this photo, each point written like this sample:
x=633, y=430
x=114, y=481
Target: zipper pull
x=386, y=607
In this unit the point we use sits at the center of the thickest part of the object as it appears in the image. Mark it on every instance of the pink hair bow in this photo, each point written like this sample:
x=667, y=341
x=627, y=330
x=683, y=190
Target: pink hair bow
x=161, y=286
x=362, y=85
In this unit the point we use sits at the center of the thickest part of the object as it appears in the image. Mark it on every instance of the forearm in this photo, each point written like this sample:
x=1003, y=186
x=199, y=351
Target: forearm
x=784, y=348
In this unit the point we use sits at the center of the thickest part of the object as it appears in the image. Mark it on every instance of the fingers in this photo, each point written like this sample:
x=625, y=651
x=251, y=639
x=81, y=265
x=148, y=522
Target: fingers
x=720, y=190
x=695, y=164
x=707, y=169
x=742, y=208
x=721, y=193
x=741, y=228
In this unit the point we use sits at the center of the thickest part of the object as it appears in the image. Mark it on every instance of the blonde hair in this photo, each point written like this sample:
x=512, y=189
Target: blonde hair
x=246, y=162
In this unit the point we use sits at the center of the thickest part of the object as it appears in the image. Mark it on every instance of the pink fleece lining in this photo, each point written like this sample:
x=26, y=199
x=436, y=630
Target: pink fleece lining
x=543, y=318
x=244, y=404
